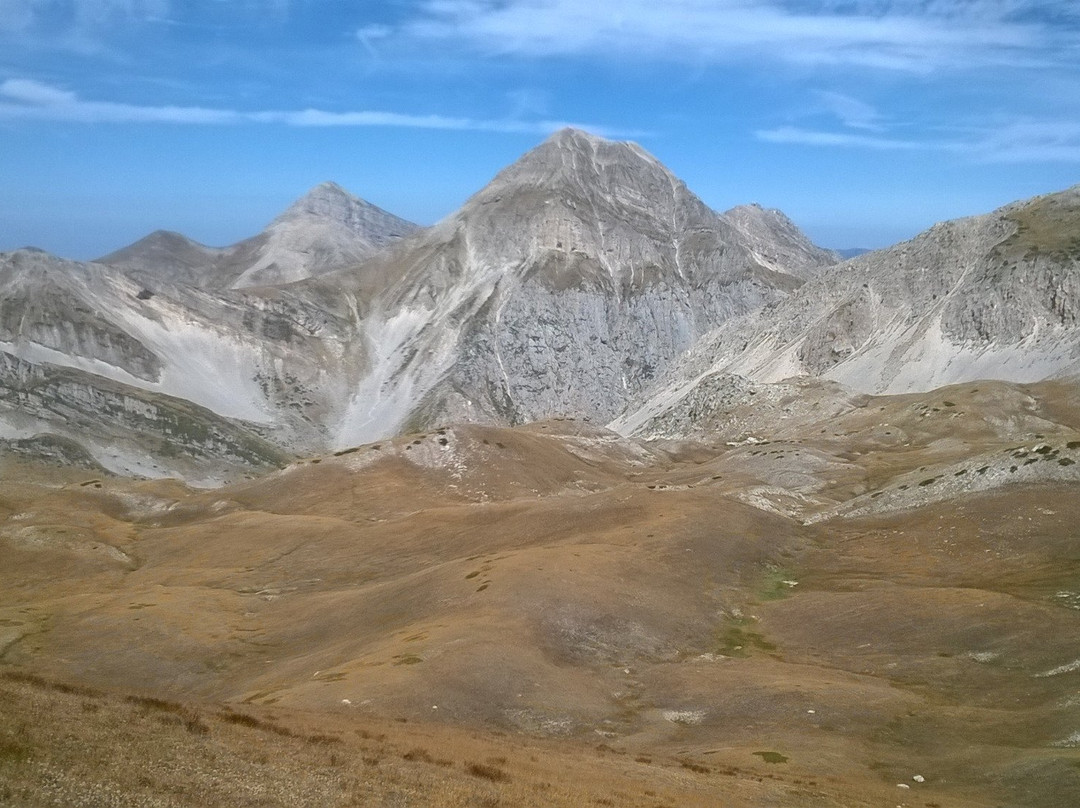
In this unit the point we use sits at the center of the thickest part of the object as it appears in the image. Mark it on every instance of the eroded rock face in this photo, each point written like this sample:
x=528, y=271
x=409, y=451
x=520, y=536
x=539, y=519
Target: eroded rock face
x=273, y=360
x=123, y=429
x=43, y=300
x=992, y=296
x=564, y=287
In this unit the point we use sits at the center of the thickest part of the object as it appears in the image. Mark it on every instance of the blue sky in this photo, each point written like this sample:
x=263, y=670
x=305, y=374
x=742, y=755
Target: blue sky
x=866, y=121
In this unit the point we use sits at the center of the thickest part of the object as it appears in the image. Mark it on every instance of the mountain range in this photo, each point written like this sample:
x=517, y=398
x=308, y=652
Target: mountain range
x=586, y=495
x=585, y=280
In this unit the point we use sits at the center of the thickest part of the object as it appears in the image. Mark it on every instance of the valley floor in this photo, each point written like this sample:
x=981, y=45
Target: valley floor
x=877, y=608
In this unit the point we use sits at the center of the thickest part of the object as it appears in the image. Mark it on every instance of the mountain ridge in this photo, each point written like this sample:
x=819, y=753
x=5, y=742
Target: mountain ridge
x=324, y=229
x=990, y=296
x=584, y=280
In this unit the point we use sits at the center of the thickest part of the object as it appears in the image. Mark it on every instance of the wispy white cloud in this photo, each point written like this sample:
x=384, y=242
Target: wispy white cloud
x=911, y=35
x=107, y=29
x=369, y=35
x=26, y=99
x=1017, y=142
x=810, y=137
x=35, y=93
x=852, y=112
x=30, y=100
x=1029, y=142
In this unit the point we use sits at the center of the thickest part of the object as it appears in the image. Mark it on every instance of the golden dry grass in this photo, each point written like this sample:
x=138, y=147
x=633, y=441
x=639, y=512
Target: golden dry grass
x=64, y=745
x=550, y=616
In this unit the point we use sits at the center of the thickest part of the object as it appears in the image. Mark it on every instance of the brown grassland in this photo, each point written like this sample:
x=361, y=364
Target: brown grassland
x=876, y=609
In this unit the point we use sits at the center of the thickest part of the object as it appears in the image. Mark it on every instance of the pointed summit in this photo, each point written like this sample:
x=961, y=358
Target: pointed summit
x=326, y=194
x=328, y=202
x=580, y=162
x=327, y=228
x=568, y=135
x=565, y=286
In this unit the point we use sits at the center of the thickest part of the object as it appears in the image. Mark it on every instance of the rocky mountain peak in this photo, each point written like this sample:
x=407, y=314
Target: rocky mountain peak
x=568, y=138
x=328, y=202
x=327, y=228
x=169, y=240
x=564, y=288
x=582, y=164
x=325, y=199
x=755, y=215
x=777, y=239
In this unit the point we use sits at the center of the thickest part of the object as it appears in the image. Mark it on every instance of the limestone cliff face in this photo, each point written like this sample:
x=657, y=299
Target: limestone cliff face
x=989, y=297
x=564, y=287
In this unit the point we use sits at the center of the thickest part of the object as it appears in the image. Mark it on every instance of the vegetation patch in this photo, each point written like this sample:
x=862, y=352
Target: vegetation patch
x=151, y=703
x=695, y=767
x=737, y=640
x=48, y=684
x=487, y=772
x=772, y=757
x=1047, y=225
x=13, y=752
x=776, y=584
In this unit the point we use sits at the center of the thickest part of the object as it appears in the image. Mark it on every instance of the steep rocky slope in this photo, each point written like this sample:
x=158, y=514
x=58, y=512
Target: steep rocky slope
x=269, y=366
x=994, y=296
x=326, y=229
x=584, y=281
x=85, y=420
x=564, y=287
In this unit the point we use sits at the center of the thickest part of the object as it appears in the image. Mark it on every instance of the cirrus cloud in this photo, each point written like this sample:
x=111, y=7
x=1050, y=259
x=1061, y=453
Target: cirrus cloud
x=1021, y=141
x=909, y=35
x=31, y=100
